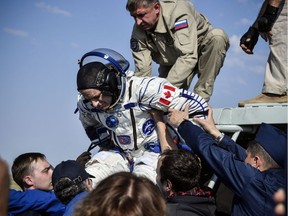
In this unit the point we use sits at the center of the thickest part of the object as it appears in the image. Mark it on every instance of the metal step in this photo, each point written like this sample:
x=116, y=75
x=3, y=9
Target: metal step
x=252, y=114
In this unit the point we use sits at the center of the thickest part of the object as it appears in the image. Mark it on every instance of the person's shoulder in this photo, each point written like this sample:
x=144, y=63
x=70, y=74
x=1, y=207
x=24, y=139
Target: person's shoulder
x=75, y=201
x=129, y=74
x=275, y=175
x=175, y=10
x=138, y=33
x=31, y=193
x=176, y=5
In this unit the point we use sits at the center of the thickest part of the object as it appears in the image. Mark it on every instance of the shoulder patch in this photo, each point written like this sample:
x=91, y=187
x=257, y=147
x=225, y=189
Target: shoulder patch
x=134, y=45
x=181, y=24
x=124, y=139
x=148, y=127
x=167, y=95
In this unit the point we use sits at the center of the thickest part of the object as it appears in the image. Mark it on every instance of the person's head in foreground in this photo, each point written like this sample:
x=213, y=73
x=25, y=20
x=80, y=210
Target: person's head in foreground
x=123, y=194
x=69, y=179
x=268, y=149
x=32, y=171
x=178, y=171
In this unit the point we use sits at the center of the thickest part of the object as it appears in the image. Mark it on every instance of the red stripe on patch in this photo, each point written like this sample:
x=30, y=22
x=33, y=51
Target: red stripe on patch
x=171, y=88
x=164, y=101
x=184, y=25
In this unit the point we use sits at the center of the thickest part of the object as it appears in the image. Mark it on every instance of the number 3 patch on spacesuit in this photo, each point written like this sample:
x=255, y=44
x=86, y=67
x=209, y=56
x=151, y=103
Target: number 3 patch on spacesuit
x=167, y=95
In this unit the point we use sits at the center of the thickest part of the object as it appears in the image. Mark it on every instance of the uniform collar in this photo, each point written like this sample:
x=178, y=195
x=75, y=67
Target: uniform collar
x=161, y=25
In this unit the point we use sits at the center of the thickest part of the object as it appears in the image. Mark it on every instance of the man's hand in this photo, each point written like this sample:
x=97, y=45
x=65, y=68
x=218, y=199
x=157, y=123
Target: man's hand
x=208, y=124
x=176, y=117
x=84, y=158
x=249, y=40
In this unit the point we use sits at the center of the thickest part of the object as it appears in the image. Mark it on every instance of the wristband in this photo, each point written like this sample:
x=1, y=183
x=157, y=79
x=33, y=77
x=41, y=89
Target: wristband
x=271, y=10
x=220, y=137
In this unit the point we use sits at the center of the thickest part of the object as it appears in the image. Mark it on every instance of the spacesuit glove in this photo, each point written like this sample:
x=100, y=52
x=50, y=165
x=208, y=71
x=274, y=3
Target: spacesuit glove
x=266, y=21
x=250, y=38
x=84, y=158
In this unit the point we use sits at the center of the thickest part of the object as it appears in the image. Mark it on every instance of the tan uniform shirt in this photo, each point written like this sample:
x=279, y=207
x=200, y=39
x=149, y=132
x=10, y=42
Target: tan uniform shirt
x=167, y=45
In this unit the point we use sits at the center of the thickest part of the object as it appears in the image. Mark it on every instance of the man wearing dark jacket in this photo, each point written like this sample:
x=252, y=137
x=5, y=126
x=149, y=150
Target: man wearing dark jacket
x=253, y=175
x=178, y=175
x=33, y=173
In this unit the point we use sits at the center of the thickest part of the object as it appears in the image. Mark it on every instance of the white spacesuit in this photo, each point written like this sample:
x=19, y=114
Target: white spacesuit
x=128, y=120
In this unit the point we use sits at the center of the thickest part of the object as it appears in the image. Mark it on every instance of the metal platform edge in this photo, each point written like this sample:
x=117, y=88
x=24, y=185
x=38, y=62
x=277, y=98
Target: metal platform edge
x=253, y=114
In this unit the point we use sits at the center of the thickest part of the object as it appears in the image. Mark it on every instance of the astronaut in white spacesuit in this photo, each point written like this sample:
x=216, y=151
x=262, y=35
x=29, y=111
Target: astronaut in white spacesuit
x=114, y=108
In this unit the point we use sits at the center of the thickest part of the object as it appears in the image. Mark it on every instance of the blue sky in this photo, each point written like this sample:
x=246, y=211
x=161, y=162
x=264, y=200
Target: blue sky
x=41, y=42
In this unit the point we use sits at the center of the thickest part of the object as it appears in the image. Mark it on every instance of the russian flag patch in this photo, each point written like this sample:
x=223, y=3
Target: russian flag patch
x=167, y=95
x=180, y=25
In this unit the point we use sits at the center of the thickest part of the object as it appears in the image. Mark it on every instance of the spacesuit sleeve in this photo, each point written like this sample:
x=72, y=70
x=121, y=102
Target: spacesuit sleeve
x=228, y=144
x=160, y=94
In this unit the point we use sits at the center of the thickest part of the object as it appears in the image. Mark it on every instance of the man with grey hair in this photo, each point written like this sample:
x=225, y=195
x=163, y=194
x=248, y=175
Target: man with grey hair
x=178, y=38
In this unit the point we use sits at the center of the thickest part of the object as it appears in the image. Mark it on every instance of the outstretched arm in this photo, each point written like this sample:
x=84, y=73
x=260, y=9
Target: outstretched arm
x=165, y=139
x=224, y=162
x=208, y=124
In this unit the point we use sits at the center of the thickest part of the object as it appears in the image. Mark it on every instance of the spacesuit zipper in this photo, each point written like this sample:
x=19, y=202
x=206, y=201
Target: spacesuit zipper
x=133, y=119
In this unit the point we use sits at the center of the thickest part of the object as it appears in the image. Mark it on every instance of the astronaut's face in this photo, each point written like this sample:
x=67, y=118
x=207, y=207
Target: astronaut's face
x=147, y=17
x=98, y=100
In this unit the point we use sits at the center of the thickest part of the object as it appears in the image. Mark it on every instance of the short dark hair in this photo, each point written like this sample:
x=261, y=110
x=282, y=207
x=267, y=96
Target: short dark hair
x=123, y=193
x=132, y=5
x=181, y=167
x=21, y=166
x=255, y=148
x=66, y=189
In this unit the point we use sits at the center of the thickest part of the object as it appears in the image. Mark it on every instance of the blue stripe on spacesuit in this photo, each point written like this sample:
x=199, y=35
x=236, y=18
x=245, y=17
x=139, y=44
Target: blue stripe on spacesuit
x=129, y=105
x=141, y=95
x=192, y=98
x=195, y=104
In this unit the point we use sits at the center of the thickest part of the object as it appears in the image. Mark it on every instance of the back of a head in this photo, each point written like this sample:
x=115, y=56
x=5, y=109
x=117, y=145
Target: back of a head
x=96, y=75
x=68, y=180
x=123, y=194
x=182, y=168
x=21, y=166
